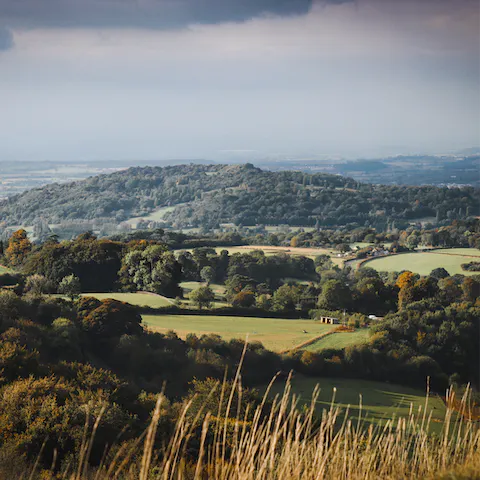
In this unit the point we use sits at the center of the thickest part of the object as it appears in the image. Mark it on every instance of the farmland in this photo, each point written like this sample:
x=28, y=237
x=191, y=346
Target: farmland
x=380, y=401
x=274, y=333
x=424, y=262
x=340, y=340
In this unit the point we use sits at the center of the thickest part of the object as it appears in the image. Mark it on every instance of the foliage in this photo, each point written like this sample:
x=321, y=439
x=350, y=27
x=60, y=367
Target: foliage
x=203, y=297
x=70, y=286
x=152, y=269
x=18, y=248
x=207, y=195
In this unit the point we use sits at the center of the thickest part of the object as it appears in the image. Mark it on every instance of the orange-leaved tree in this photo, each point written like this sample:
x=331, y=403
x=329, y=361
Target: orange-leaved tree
x=19, y=247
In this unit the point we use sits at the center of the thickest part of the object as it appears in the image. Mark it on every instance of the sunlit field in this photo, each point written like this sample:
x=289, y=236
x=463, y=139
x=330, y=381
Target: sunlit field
x=424, y=262
x=274, y=333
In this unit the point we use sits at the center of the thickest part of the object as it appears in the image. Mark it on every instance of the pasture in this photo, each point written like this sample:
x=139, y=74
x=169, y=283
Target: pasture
x=380, y=401
x=276, y=334
x=340, y=340
x=156, y=216
x=424, y=262
x=142, y=299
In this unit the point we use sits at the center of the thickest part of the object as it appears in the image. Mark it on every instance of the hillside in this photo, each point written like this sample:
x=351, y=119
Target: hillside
x=206, y=195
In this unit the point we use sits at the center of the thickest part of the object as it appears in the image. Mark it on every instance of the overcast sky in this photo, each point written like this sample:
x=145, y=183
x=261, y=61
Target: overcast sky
x=155, y=79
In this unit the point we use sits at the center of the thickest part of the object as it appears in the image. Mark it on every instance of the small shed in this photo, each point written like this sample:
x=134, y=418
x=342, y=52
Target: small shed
x=330, y=320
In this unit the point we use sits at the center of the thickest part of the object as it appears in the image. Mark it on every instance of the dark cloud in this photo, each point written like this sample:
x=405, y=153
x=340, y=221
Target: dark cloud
x=6, y=38
x=158, y=14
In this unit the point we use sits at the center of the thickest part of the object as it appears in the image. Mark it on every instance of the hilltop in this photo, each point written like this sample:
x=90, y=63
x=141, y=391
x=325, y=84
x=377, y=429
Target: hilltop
x=207, y=195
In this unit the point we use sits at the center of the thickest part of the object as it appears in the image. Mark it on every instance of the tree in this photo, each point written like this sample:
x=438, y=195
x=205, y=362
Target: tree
x=335, y=295
x=202, y=297
x=405, y=279
x=38, y=285
x=439, y=273
x=112, y=318
x=323, y=262
x=244, y=299
x=153, y=269
x=207, y=274
x=264, y=302
x=286, y=297
x=70, y=286
x=19, y=246
x=471, y=289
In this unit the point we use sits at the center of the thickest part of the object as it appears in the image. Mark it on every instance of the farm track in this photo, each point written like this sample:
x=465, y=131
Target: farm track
x=309, y=342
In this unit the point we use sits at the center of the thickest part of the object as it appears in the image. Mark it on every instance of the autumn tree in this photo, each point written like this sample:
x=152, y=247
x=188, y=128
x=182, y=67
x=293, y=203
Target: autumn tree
x=19, y=246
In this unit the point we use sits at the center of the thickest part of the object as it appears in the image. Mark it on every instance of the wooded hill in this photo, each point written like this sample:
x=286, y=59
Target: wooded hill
x=207, y=195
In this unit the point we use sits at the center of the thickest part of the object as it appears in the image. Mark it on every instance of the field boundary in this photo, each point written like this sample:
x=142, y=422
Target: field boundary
x=308, y=342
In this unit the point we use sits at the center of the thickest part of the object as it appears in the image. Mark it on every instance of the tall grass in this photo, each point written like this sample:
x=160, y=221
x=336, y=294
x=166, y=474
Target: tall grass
x=278, y=440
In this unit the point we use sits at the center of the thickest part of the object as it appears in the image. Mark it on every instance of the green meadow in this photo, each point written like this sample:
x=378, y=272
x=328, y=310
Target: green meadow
x=424, y=262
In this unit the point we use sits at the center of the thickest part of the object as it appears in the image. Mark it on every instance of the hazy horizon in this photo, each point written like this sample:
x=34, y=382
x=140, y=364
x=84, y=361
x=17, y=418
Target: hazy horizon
x=223, y=79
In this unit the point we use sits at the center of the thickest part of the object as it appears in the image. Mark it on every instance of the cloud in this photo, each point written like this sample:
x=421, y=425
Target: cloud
x=154, y=14
x=6, y=38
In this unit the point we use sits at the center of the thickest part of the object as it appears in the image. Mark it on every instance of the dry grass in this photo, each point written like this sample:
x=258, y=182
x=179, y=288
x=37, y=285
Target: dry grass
x=283, y=442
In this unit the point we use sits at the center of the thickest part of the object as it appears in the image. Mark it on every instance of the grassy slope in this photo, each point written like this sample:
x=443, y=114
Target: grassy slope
x=141, y=299
x=424, y=262
x=275, y=334
x=380, y=401
x=340, y=340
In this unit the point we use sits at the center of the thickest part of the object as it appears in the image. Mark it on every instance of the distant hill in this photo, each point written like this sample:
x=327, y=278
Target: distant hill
x=207, y=195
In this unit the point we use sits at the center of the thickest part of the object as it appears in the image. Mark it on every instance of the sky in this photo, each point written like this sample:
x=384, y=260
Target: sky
x=86, y=80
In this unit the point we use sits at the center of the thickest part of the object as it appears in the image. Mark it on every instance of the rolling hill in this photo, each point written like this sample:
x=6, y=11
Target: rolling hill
x=207, y=195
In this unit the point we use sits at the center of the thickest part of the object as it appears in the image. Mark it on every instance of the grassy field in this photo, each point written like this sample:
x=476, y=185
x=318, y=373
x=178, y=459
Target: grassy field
x=5, y=270
x=141, y=299
x=424, y=262
x=340, y=340
x=156, y=216
x=275, y=334
x=380, y=401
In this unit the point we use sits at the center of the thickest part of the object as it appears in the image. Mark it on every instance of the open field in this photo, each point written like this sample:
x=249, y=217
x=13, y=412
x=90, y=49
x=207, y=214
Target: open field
x=380, y=401
x=424, y=262
x=340, y=340
x=276, y=334
x=139, y=298
x=156, y=216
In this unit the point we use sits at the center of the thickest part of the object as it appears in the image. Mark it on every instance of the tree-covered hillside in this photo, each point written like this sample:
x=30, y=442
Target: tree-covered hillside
x=207, y=195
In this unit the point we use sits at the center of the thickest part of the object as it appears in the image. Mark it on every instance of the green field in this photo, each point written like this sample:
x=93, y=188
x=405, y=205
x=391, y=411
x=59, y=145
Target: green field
x=275, y=334
x=156, y=216
x=5, y=270
x=424, y=262
x=380, y=401
x=140, y=299
x=340, y=340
